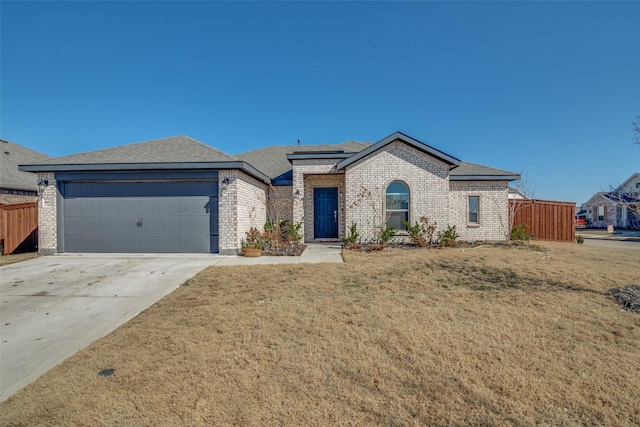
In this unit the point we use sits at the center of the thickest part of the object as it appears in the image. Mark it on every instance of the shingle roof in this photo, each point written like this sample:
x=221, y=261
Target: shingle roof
x=472, y=171
x=175, y=149
x=272, y=161
x=268, y=162
x=12, y=155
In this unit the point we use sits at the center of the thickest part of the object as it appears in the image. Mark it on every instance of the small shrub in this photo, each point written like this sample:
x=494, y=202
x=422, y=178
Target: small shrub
x=519, y=233
x=293, y=232
x=254, y=239
x=353, y=235
x=579, y=239
x=421, y=233
x=354, y=246
x=448, y=237
x=387, y=233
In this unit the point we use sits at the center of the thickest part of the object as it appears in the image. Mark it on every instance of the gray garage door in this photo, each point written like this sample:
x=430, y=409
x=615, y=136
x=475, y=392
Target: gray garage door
x=140, y=217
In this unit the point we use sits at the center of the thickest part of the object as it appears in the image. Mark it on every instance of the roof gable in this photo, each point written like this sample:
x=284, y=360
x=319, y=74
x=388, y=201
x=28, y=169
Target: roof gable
x=399, y=136
x=598, y=197
x=631, y=182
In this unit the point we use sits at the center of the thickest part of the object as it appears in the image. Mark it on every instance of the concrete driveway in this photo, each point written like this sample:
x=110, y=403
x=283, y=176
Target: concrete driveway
x=51, y=307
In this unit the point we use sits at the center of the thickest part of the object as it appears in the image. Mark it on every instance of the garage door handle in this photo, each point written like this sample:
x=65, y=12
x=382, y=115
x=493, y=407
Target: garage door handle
x=139, y=223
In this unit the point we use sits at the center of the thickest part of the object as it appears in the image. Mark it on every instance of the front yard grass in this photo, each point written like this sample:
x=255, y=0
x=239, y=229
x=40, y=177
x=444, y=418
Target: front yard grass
x=460, y=336
x=13, y=258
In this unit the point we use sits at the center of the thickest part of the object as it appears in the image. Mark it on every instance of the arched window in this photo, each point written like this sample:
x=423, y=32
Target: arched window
x=397, y=205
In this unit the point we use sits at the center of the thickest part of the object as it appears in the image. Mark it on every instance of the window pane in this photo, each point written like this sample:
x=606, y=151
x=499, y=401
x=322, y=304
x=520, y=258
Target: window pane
x=395, y=219
x=474, y=202
x=397, y=196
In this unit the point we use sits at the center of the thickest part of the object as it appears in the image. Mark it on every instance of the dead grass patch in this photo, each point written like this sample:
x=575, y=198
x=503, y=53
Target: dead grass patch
x=13, y=258
x=484, y=336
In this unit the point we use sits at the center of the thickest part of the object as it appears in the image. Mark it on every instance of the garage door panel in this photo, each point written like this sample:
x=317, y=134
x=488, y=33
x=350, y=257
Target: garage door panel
x=168, y=225
x=138, y=223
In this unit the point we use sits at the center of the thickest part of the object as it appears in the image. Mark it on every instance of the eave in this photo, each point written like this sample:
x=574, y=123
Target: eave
x=238, y=165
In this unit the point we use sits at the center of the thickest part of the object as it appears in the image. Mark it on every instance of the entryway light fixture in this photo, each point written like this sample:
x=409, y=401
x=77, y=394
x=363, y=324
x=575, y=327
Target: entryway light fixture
x=296, y=194
x=42, y=184
x=225, y=181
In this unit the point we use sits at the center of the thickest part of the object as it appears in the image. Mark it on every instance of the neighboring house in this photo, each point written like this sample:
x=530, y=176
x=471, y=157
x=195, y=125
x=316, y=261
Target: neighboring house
x=514, y=193
x=18, y=192
x=180, y=195
x=17, y=186
x=618, y=207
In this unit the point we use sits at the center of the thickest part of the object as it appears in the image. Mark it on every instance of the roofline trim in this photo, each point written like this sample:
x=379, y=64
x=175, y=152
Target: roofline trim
x=311, y=156
x=484, y=177
x=241, y=165
x=452, y=161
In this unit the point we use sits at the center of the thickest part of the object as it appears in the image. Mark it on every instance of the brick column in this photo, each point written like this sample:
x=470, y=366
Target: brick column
x=48, y=215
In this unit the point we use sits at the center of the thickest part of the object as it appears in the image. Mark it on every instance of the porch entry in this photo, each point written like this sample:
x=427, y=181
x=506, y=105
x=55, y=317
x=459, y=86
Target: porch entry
x=325, y=216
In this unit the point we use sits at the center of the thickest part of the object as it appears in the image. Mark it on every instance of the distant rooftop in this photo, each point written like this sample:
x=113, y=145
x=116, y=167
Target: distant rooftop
x=12, y=155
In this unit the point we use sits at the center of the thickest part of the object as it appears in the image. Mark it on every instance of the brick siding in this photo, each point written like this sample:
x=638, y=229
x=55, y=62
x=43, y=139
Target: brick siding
x=281, y=203
x=493, y=214
x=47, y=216
x=612, y=216
x=426, y=177
x=242, y=204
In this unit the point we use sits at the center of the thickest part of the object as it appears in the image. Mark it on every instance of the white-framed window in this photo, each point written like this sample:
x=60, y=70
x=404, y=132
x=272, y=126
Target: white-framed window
x=473, y=210
x=397, y=204
x=601, y=211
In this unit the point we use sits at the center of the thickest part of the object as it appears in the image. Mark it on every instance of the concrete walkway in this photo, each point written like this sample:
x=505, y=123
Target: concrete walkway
x=315, y=253
x=53, y=306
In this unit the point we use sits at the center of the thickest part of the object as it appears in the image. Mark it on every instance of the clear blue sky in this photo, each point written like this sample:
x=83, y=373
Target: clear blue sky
x=550, y=88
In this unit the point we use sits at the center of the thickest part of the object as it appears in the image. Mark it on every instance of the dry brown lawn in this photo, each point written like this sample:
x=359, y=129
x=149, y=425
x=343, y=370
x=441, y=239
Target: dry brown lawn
x=13, y=258
x=485, y=336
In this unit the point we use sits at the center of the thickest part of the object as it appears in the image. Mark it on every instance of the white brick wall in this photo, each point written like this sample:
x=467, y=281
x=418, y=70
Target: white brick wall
x=493, y=213
x=47, y=216
x=242, y=204
x=426, y=177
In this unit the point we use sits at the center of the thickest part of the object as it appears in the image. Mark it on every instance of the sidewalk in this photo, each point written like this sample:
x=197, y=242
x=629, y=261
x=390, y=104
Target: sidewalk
x=314, y=253
x=628, y=235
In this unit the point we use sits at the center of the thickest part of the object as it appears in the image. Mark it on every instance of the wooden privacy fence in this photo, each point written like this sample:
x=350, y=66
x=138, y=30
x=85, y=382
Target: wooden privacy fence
x=545, y=219
x=18, y=225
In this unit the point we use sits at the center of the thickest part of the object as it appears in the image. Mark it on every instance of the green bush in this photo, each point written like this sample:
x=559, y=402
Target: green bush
x=353, y=235
x=418, y=231
x=579, y=239
x=387, y=233
x=519, y=233
x=448, y=237
x=293, y=232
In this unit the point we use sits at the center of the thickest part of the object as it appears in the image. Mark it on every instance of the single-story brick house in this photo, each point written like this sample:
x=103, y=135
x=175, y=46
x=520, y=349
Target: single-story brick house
x=617, y=207
x=179, y=195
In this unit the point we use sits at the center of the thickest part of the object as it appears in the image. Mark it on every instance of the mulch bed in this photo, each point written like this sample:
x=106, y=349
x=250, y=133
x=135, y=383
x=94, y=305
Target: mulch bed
x=628, y=297
x=292, y=249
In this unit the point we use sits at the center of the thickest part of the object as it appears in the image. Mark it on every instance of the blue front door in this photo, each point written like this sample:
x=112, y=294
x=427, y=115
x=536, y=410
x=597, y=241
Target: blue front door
x=325, y=218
